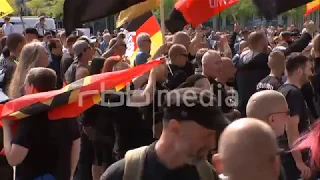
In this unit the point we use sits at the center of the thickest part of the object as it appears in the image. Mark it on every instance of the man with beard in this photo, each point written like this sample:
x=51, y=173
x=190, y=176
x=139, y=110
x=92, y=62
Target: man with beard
x=178, y=154
x=299, y=70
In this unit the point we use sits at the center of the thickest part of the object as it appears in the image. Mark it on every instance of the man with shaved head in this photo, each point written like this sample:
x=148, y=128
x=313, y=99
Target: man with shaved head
x=276, y=114
x=183, y=38
x=178, y=55
x=271, y=107
x=248, y=150
x=273, y=81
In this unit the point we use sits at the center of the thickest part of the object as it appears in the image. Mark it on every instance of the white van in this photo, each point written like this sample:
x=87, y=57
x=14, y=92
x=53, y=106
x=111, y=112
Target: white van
x=29, y=22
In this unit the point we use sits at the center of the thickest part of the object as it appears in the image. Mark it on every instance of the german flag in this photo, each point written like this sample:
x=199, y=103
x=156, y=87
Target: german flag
x=312, y=6
x=77, y=12
x=73, y=99
x=146, y=23
x=195, y=12
x=135, y=11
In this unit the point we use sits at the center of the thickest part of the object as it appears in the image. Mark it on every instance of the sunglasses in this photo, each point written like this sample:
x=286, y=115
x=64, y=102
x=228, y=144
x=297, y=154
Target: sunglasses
x=284, y=112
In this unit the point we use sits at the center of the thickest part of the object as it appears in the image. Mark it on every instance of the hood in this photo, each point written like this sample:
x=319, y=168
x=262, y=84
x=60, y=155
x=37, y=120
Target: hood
x=247, y=56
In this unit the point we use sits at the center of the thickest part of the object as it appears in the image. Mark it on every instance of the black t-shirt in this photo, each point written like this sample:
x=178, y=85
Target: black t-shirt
x=269, y=83
x=153, y=169
x=6, y=72
x=297, y=106
x=49, y=144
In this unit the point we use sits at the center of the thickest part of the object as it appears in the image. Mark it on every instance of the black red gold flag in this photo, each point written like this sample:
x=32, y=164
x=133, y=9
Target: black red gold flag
x=271, y=8
x=146, y=23
x=195, y=12
x=77, y=12
x=76, y=97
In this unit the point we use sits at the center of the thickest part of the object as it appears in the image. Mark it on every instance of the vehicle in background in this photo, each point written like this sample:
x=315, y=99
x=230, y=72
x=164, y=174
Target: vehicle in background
x=29, y=22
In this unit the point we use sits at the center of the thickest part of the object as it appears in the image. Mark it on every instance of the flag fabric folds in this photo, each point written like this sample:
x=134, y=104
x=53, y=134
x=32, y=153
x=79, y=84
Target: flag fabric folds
x=77, y=12
x=135, y=11
x=271, y=8
x=146, y=23
x=195, y=12
x=312, y=6
x=5, y=8
x=73, y=99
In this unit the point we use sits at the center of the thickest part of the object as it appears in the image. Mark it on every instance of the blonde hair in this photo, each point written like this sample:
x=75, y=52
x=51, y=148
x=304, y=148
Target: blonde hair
x=29, y=58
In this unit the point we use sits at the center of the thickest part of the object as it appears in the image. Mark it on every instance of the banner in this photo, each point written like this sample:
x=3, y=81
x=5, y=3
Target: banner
x=5, y=8
x=312, y=6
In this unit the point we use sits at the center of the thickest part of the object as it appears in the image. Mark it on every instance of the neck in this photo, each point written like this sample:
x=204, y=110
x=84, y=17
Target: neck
x=222, y=80
x=275, y=73
x=250, y=176
x=14, y=54
x=166, y=153
x=291, y=80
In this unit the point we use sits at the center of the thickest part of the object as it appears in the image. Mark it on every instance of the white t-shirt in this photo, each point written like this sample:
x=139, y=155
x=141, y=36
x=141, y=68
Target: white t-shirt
x=8, y=29
x=40, y=28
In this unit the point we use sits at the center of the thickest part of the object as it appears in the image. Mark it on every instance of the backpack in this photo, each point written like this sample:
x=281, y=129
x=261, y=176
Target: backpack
x=134, y=162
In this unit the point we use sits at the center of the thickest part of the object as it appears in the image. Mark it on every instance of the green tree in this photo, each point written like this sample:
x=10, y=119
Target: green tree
x=168, y=6
x=14, y=6
x=53, y=8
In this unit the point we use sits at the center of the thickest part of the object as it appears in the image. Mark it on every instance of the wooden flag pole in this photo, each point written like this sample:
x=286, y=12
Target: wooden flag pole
x=163, y=28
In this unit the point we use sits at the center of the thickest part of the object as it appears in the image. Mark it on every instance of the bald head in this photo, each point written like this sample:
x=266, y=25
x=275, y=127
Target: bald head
x=264, y=103
x=181, y=38
x=248, y=149
x=212, y=64
x=271, y=107
x=242, y=45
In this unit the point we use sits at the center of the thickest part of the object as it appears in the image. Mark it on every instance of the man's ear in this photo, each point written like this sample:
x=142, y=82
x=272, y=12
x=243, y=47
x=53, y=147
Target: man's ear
x=33, y=89
x=217, y=164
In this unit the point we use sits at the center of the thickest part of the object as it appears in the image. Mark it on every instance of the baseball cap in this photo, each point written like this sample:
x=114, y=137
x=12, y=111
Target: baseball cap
x=89, y=40
x=79, y=46
x=194, y=104
x=31, y=31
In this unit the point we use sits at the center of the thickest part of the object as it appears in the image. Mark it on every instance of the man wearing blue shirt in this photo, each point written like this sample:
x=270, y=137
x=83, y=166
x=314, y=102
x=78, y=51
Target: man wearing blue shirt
x=144, y=45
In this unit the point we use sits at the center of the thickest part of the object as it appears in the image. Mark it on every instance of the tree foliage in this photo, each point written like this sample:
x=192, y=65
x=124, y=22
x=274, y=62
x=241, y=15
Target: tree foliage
x=14, y=6
x=53, y=8
x=168, y=6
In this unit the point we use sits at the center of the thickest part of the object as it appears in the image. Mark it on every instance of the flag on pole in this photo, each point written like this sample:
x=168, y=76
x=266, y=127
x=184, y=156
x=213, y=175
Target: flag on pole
x=195, y=12
x=146, y=23
x=312, y=6
x=5, y=8
x=77, y=12
x=135, y=11
x=271, y=8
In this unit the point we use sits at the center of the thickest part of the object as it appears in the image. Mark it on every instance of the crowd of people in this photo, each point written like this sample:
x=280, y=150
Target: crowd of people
x=224, y=105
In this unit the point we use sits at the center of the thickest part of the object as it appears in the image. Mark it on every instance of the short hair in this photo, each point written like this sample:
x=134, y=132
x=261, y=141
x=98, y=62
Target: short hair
x=13, y=41
x=199, y=56
x=96, y=65
x=254, y=38
x=42, y=18
x=53, y=44
x=142, y=37
x=295, y=61
x=71, y=39
x=175, y=50
x=7, y=18
x=43, y=79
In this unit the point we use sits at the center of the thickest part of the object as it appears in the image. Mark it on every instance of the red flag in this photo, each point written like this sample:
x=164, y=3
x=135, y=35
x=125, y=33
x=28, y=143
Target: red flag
x=312, y=6
x=195, y=12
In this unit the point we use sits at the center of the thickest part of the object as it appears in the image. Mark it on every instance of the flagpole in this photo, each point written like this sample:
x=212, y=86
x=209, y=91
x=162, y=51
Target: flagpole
x=163, y=28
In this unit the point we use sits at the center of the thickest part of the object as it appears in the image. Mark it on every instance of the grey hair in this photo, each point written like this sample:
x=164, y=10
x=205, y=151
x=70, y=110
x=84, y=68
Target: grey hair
x=141, y=37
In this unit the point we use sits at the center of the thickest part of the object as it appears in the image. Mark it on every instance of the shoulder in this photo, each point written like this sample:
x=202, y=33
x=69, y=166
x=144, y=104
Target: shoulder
x=115, y=171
